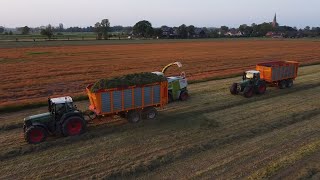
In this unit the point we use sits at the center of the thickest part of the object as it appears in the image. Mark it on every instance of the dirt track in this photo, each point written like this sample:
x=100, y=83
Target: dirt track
x=214, y=135
x=33, y=74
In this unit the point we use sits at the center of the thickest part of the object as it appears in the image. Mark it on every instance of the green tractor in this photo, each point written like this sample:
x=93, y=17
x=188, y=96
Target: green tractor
x=177, y=89
x=62, y=118
x=250, y=84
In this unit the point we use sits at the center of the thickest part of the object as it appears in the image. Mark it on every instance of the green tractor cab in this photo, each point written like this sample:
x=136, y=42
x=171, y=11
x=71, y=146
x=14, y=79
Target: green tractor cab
x=177, y=89
x=62, y=118
x=250, y=84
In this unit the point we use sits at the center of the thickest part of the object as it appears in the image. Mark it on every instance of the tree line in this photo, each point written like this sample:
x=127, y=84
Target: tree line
x=144, y=29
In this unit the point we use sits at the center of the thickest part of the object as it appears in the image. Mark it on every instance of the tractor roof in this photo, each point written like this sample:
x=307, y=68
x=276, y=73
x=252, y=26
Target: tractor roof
x=61, y=100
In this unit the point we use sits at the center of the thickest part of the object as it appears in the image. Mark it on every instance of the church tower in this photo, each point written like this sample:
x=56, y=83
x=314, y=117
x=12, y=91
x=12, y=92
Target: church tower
x=274, y=22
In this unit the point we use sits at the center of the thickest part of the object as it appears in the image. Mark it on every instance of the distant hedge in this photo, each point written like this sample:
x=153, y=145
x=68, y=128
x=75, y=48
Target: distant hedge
x=127, y=80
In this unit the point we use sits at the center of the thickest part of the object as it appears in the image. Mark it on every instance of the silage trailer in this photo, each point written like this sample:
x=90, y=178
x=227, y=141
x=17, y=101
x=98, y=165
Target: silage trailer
x=278, y=73
x=63, y=117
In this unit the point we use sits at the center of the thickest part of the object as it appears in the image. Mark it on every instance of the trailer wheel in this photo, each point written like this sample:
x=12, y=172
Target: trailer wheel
x=74, y=125
x=282, y=84
x=248, y=91
x=133, y=116
x=234, y=89
x=184, y=96
x=150, y=113
x=262, y=88
x=35, y=134
x=289, y=83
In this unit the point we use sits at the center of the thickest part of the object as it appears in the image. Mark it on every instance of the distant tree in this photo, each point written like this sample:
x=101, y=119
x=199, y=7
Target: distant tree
x=307, y=28
x=191, y=30
x=116, y=29
x=245, y=30
x=265, y=28
x=61, y=29
x=102, y=29
x=224, y=29
x=202, y=33
x=183, y=31
x=143, y=28
x=213, y=33
x=105, y=28
x=98, y=30
x=10, y=33
x=48, y=31
x=128, y=30
x=25, y=30
x=158, y=32
x=1, y=30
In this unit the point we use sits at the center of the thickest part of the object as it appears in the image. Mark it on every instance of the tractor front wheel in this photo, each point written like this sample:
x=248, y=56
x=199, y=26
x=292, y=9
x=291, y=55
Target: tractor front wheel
x=35, y=134
x=74, y=125
x=234, y=89
x=184, y=96
x=248, y=91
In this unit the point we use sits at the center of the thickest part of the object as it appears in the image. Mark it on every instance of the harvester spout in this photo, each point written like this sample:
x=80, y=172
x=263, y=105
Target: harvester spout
x=171, y=64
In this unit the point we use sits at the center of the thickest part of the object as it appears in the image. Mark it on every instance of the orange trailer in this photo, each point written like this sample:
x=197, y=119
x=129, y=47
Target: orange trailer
x=133, y=102
x=281, y=73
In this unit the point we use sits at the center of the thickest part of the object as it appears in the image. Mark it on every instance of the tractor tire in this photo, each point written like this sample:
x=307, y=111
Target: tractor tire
x=184, y=96
x=262, y=87
x=282, y=84
x=35, y=134
x=248, y=91
x=133, y=116
x=234, y=89
x=289, y=83
x=149, y=113
x=73, y=126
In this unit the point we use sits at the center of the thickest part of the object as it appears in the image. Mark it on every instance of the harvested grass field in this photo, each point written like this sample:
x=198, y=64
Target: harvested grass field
x=31, y=74
x=213, y=135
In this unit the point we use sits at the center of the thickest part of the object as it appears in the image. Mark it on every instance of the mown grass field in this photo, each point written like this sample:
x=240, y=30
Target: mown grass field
x=213, y=135
x=31, y=74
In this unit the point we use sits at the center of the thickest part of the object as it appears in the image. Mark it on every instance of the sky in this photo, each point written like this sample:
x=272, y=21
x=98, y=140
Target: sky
x=200, y=13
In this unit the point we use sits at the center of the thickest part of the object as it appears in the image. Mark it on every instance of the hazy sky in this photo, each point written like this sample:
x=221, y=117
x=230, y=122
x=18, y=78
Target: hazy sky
x=210, y=13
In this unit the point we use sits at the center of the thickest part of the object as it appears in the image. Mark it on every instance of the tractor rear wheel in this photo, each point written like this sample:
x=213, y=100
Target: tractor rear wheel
x=149, y=113
x=184, y=96
x=74, y=125
x=282, y=84
x=262, y=87
x=289, y=83
x=248, y=91
x=234, y=89
x=35, y=134
x=134, y=116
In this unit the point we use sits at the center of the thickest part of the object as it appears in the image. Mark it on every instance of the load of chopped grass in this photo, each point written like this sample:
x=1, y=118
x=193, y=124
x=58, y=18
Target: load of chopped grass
x=136, y=79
